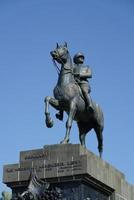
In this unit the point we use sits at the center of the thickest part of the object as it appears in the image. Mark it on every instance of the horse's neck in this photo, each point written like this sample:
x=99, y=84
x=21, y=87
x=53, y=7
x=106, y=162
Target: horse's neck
x=66, y=75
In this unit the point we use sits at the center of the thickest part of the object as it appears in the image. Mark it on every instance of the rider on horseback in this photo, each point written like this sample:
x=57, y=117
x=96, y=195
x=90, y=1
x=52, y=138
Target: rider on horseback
x=81, y=74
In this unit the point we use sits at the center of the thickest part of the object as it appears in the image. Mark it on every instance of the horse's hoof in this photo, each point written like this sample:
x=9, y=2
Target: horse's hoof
x=49, y=123
x=64, y=142
x=100, y=151
x=83, y=145
x=100, y=154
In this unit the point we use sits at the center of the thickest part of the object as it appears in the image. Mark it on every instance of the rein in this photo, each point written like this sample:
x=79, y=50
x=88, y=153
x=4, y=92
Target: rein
x=58, y=69
x=56, y=66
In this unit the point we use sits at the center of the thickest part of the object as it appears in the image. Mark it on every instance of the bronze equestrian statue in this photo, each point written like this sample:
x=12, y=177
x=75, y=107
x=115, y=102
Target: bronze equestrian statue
x=69, y=98
x=81, y=74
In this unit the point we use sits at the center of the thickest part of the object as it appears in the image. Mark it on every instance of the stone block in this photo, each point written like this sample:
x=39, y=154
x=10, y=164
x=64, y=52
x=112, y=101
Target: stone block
x=66, y=165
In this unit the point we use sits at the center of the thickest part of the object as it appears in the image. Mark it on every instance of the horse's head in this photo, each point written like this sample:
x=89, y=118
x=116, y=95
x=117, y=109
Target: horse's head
x=60, y=53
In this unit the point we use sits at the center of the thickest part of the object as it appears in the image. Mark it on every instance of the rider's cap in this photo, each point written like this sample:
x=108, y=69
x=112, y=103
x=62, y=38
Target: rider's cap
x=77, y=55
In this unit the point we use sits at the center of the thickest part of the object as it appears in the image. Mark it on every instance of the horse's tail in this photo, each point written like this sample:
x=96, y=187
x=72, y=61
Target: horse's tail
x=99, y=114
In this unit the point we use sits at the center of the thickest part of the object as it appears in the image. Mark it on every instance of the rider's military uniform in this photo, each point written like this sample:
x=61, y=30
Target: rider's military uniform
x=81, y=74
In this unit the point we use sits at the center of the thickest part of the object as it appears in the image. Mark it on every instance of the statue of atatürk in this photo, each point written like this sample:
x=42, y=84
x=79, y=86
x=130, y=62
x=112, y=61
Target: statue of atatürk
x=72, y=95
x=81, y=74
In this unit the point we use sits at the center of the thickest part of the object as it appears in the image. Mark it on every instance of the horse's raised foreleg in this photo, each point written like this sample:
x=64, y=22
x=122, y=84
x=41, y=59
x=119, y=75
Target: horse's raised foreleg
x=69, y=121
x=54, y=103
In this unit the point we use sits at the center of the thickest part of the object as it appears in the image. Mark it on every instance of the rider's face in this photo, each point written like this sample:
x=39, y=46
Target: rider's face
x=80, y=60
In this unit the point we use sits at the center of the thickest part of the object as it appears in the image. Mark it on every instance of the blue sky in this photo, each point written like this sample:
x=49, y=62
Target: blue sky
x=104, y=32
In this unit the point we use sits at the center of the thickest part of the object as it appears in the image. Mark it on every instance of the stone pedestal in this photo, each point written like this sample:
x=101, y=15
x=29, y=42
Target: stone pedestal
x=79, y=174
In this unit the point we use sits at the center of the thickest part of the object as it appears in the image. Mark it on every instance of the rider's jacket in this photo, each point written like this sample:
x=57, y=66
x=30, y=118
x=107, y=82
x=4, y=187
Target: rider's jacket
x=82, y=73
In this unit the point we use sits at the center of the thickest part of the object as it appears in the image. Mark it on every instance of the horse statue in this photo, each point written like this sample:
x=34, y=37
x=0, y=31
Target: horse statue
x=69, y=98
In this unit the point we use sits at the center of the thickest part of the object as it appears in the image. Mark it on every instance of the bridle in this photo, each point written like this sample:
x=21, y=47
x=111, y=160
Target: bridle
x=61, y=61
x=56, y=66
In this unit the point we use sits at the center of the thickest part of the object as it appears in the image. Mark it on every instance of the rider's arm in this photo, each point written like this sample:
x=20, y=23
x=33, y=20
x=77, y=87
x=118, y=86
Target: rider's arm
x=86, y=72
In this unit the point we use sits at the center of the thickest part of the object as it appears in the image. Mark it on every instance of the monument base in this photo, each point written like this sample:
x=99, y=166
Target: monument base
x=78, y=173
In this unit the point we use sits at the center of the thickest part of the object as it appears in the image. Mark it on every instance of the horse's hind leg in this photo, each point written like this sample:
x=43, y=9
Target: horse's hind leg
x=99, y=135
x=54, y=103
x=82, y=137
x=83, y=130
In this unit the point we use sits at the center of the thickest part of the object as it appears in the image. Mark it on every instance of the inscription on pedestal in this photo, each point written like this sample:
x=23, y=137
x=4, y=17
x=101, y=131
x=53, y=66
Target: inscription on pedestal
x=79, y=173
x=44, y=169
x=34, y=155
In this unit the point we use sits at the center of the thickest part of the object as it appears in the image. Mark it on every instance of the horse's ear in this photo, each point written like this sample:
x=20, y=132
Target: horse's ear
x=65, y=44
x=57, y=45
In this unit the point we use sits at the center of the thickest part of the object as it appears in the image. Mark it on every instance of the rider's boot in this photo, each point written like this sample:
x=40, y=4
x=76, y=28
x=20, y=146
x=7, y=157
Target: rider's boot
x=59, y=115
x=90, y=104
x=88, y=101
